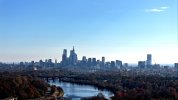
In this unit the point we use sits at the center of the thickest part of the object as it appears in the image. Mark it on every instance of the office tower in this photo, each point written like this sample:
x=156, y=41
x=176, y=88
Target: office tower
x=49, y=63
x=103, y=59
x=176, y=66
x=149, y=60
x=126, y=65
x=102, y=62
x=141, y=64
x=94, y=62
x=41, y=63
x=84, y=59
x=64, y=55
x=118, y=63
x=112, y=64
x=73, y=57
x=49, y=60
x=65, y=52
x=32, y=63
x=89, y=62
x=64, y=61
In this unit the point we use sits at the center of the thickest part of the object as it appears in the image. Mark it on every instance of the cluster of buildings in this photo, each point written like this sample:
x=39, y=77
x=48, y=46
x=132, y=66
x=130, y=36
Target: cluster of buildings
x=147, y=63
x=72, y=60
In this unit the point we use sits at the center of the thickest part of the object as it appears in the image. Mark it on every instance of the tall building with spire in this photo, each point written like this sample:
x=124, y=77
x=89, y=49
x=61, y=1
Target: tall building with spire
x=73, y=57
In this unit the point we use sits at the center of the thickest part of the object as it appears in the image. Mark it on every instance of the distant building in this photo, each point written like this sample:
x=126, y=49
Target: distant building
x=125, y=64
x=94, y=62
x=41, y=63
x=108, y=64
x=50, y=63
x=49, y=60
x=113, y=64
x=73, y=57
x=176, y=66
x=141, y=64
x=118, y=63
x=32, y=63
x=156, y=66
x=64, y=58
x=149, y=60
x=98, y=64
x=98, y=61
x=89, y=62
x=102, y=62
x=103, y=59
x=84, y=59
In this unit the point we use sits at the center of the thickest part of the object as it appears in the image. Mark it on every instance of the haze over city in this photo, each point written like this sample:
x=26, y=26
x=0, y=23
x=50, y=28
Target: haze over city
x=117, y=29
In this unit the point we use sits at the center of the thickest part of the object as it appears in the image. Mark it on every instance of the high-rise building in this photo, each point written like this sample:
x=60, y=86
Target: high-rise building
x=41, y=63
x=89, y=62
x=149, y=60
x=176, y=66
x=126, y=65
x=118, y=63
x=50, y=63
x=65, y=52
x=64, y=55
x=103, y=59
x=113, y=64
x=141, y=64
x=73, y=57
x=84, y=59
x=94, y=62
x=64, y=58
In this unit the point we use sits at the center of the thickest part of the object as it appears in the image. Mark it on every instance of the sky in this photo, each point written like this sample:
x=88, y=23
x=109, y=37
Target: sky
x=125, y=30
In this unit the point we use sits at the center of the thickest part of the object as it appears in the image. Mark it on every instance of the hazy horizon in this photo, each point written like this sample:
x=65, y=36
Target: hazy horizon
x=124, y=30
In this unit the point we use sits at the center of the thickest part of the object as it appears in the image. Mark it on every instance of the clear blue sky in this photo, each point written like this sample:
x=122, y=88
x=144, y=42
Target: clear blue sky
x=117, y=29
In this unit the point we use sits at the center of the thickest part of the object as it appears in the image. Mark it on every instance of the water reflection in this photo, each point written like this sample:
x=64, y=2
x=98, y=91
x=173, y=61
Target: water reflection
x=77, y=91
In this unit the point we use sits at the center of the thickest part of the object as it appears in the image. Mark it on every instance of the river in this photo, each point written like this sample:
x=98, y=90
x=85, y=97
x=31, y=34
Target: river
x=76, y=91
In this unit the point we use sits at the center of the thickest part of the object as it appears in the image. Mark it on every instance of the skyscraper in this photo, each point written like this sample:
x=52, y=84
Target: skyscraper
x=103, y=62
x=176, y=66
x=149, y=60
x=103, y=59
x=118, y=63
x=64, y=55
x=94, y=62
x=89, y=62
x=73, y=57
x=113, y=64
x=64, y=58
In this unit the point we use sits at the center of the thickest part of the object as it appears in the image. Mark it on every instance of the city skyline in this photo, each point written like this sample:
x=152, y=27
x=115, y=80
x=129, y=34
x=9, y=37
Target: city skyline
x=126, y=30
x=71, y=57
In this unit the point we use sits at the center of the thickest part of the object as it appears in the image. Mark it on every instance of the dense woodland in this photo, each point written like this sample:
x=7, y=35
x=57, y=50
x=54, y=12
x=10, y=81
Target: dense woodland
x=21, y=87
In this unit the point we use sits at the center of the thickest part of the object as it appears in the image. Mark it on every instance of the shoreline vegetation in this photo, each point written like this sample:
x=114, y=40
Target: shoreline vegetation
x=124, y=86
x=25, y=87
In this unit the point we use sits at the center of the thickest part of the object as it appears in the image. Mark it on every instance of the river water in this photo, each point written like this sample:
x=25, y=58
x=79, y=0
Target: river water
x=76, y=91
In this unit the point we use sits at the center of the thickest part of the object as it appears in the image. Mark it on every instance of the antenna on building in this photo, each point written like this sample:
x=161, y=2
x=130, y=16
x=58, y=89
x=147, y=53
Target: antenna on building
x=73, y=48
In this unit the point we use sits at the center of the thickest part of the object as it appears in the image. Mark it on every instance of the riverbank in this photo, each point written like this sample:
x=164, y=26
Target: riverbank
x=74, y=90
